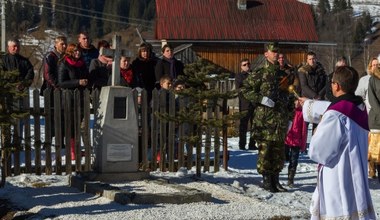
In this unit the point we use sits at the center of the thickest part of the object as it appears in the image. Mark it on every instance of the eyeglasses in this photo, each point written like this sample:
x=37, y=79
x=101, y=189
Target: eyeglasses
x=245, y=64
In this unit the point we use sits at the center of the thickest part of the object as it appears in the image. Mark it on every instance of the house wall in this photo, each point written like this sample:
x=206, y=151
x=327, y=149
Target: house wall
x=229, y=57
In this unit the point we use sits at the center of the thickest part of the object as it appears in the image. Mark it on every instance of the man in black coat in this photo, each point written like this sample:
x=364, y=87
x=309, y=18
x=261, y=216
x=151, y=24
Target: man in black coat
x=12, y=60
x=244, y=105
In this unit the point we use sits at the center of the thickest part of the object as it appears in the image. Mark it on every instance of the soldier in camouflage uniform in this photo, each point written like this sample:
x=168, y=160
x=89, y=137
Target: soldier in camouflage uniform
x=267, y=88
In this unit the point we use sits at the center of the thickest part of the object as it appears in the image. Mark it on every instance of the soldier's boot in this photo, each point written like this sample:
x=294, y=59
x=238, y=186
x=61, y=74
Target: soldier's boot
x=291, y=174
x=378, y=172
x=276, y=183
x=267, y=184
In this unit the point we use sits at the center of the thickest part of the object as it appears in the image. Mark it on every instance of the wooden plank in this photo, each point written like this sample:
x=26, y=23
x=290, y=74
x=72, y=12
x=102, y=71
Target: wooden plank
x=171, y=133
x=86, y=130
x=68, y=117
x=189, y=159
x=136, y=100
x=48, y=128
x=216, y=142
x=181, y=134
x=95, y=105
x=163, y=132
x=17, y=146
x=144, y=129
x=224, y=132
x=57, y=128
x=37, y=131
x=154, y=127
x=206, y=167
x=77, y=108
x=6, y=158
x=27, y=140
x=198, y=150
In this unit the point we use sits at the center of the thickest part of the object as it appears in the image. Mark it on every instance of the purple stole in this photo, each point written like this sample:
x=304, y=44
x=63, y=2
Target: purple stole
x=350, y=110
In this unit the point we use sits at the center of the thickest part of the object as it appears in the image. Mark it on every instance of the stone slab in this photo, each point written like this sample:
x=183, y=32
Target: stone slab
x=182, y=195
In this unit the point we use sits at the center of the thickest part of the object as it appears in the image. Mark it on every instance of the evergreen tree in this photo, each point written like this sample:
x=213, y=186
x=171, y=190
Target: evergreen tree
x=324, y=7
x=359, y=33
x=196, y=76
x=21, y=16
x=349, y=6
x=366, y=20
x=134, y=9
x=9, y=114
x=339, y=5
x=47, y=14
x=75, y=17
x=96, y=23
x=110, y=6
x=150, y=11
x=61, y=20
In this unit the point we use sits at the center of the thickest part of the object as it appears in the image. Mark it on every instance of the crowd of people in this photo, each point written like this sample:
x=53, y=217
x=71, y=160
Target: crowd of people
x=280, y=101
x=80, y=65
x=344, y=111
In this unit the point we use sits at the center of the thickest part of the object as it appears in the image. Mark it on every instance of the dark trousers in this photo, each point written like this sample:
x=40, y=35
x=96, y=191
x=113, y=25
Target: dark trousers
x=243, y=128
x=292, y=155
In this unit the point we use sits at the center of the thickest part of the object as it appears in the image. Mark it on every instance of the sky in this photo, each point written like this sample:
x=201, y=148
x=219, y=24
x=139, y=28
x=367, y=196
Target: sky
x=236, y=194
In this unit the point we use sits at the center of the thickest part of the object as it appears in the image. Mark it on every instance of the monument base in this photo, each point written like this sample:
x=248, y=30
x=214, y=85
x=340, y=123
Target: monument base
x=114, y=177
x=164, y=192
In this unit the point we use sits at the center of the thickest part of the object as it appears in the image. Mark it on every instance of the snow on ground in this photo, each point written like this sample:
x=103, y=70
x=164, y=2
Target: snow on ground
x=236, y=194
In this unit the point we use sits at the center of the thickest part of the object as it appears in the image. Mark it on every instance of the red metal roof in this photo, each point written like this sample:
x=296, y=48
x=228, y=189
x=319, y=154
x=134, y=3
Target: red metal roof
x=264, y=20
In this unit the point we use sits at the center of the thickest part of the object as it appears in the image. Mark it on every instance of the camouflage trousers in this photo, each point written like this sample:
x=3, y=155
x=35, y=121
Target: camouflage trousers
x=271, y=157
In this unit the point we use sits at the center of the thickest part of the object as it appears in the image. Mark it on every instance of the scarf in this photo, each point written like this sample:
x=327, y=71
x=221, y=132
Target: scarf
x=74, y=63
x=127, y=75
x=173, y=73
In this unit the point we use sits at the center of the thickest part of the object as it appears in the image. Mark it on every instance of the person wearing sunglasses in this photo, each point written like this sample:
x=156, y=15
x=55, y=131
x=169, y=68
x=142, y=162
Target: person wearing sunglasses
x=245, y=107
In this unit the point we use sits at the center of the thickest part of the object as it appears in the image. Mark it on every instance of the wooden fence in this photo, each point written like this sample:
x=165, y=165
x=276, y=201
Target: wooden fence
x=36, y=153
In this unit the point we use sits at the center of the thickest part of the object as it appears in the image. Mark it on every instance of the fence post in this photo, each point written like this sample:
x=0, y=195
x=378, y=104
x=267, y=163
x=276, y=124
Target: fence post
x=163, y=130
x=144, y=128
x=86, y=130
x=48, y=135
x=37, y=130
x=171, y=135
x=154, y=133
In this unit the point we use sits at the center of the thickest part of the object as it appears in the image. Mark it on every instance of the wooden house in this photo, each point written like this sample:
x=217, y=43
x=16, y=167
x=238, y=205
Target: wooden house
x=225, y=31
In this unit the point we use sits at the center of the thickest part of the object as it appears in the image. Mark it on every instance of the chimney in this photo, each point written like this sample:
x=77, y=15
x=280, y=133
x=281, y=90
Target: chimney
x=242, y=4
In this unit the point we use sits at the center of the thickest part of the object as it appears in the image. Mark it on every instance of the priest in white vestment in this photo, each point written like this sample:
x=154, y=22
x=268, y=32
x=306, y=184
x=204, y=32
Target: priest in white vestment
x=340, y=146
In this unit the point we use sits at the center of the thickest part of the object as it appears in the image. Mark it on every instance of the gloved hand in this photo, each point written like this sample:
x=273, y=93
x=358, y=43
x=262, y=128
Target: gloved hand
x=267, y=102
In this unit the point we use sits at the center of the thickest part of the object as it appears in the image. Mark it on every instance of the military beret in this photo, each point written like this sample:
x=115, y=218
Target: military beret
x=271, y=46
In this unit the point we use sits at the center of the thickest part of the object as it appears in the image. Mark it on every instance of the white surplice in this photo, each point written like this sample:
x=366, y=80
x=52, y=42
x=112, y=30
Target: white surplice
x=340, y=146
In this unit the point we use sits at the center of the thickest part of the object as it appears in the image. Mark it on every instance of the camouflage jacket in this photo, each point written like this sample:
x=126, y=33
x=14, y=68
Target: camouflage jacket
x=269, y=81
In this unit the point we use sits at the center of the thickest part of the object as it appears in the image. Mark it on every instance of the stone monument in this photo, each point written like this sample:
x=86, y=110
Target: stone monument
x=116, y=126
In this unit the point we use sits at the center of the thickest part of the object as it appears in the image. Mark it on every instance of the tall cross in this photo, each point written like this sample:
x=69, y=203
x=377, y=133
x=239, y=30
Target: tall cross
x=116, y=53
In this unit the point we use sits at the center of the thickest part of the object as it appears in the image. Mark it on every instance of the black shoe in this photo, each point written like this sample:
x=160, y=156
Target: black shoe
x=253, y=148
x=252, y=145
